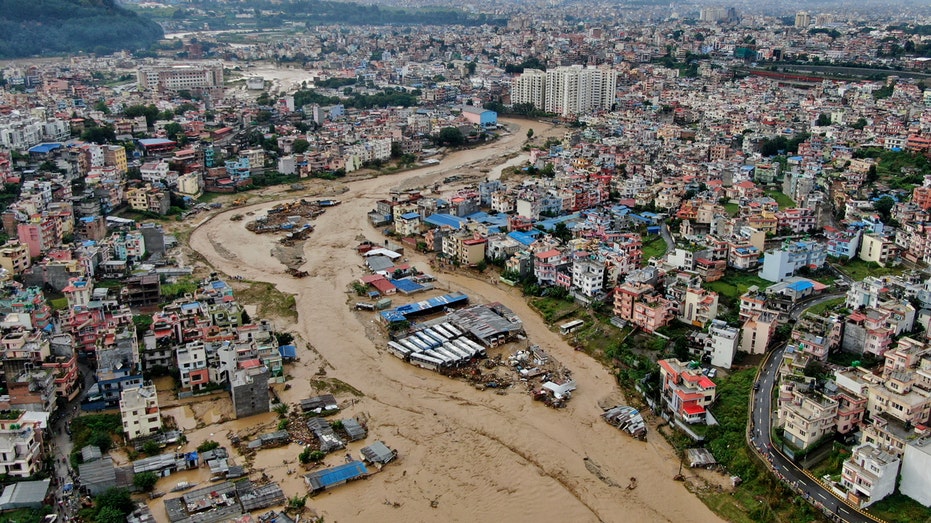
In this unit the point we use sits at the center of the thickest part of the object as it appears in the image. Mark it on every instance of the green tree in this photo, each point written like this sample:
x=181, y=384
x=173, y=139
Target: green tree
x=300, y=146
x=113, y=505
x=823, y=120
x=151, y=448
x=530, y=134
x=207, y=446
x=173, y=130
x=451, y=136
x=145, y=481
x=884, y=207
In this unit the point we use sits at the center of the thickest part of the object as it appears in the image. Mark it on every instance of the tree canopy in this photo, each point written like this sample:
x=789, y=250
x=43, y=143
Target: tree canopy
x=43, y=27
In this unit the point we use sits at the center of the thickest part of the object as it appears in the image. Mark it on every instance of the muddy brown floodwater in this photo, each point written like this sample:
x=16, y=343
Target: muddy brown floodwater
x=464, y=454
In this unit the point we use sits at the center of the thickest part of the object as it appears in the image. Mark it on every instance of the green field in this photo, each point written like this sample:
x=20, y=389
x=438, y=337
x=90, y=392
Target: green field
x=858, y=269
x=899, y=508
x=734, y=284
x=781, y=198
x=653, y=249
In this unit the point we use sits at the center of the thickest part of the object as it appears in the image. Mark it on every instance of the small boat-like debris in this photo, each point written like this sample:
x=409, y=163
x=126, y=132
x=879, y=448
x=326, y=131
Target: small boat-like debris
x=628, y=419
x=155, y=494
x=183, y=485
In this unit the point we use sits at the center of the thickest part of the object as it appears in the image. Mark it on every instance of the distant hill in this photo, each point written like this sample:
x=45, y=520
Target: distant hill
x=49, y=27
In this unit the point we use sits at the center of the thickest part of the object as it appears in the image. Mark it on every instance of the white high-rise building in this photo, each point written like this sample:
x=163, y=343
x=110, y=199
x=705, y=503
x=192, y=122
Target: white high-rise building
x=529, y=88
x=566, y=90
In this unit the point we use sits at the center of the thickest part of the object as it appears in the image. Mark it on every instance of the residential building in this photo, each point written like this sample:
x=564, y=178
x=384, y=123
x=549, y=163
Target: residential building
x=588, y=277
x=869, y=475
x=779, y=264
x=807, y=418
x=529, y=88
x=21, y=444
x=723, y=341
x=916, y=470
x=877, y=248
x=686, y=392
x=140, y=412
x=699, y=307
x=180, y=77
x=757, y=332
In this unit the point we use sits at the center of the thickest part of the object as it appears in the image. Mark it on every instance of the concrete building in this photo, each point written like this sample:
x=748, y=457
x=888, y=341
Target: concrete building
x=723, y=343
x=140, y=412
x=686, y=392
x=578, y=90
x=869, y=475
x=757, y=331
x=807, y=418
x=529, y=88
x=249, y=390
x=21, y=445
x=779, y=264
x=180, y=77
x=916, y=471
x=877, y=248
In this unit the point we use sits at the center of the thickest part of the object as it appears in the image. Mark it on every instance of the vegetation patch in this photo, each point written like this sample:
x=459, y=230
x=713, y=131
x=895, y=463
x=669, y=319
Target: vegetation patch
x=654, y=248
x=334, y=386
x=781, y=198
x=270, y=301
x=858, y=269
x=734, y=284
x=899, y=508
x=554, y=308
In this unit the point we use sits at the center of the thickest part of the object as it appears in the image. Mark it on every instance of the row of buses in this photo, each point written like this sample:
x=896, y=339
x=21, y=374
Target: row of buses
x=437, y=347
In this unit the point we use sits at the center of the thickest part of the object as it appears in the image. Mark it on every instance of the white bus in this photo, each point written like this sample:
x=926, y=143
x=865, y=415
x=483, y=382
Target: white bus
x=444, y=331
x=568, y=327
x=476, y=346
x=447, y=361
x=417, y=342
x=426, y=339
x=435, y=335
x=410, y=346
x=463, y=347
x=449, y=326
x=425, y=361
x=450, y=346
x=399, y=350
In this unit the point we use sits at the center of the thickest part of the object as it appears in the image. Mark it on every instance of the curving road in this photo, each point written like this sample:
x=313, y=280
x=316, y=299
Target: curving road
x=761, y=425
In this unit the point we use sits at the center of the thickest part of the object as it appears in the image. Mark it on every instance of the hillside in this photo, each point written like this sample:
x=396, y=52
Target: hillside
x=48, y=27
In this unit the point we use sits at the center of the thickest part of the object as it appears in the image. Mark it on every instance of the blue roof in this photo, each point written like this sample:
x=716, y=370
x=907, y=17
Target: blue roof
x=287, y=351
x=525, y=238
x=155, y=141
x=401, y=312
x=483, y=217
x=410, y=216
x=190, y=306
x=339, y=474
x=44, y=148
x=447, y=220
x=406, y=285
x=550, y=223
x=801, y=285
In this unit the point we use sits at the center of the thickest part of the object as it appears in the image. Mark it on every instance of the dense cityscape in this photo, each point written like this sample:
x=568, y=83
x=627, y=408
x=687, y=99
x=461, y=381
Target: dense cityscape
x=253, y=251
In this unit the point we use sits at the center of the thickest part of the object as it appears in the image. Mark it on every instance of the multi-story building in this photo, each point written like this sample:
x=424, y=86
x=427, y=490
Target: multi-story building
x=546, y=263
x=588, y=277
x=778, y=264
x=686, y=392
x=757, y=332
x=14, y=257
x=180, y=77
x=192, y=364
x=916, y=470
x=878, y=248
x=898, y=398
x=699, y=307
x=529, y=88
x=140, y=412
x=723, y=341
x=869, y=475
x=578, y=90
x=807, y=418
x=20, y=445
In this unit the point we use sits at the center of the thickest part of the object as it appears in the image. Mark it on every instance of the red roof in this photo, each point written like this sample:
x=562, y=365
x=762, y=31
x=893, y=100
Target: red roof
x=691, y=409
x=706, y=383
x=548, y=254
x=250, y=364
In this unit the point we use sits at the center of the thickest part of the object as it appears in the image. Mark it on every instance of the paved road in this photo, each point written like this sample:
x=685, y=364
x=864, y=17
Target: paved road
x=761, y=420
x=670, y=243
